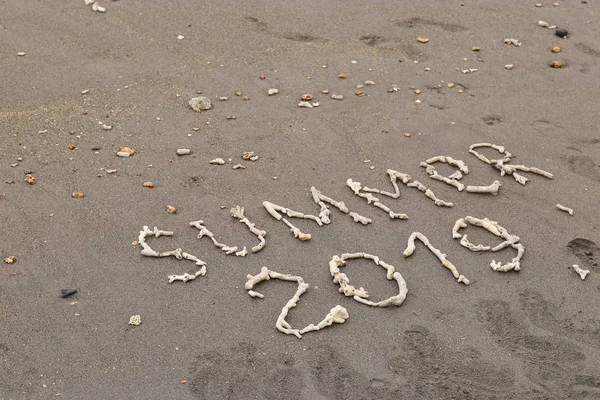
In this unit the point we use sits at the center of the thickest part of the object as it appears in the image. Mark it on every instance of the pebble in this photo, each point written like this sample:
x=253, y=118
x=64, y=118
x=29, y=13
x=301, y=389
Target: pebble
x=407, y=135
x=10, y=181
x=123, y=154
x=360, y=86
x=343, y=76
x=359, y=93
x=67, y=292
x=77, y=195
x=555, y=49
x=451, y=85
x=223, y=98
x=238, y=93
x=148, y=185
x=231, y=116
x=245, y=98
x=217, y=161
x=72, y=147
x=316, y=104
x=86, y=91
x=239, y=166
x=307, y=97
x=369, y=83
x=543, y=24
x=512, y=41
x=20, y=159
x=107, y=127
x=556, y=64
x=325, y=91
x=248, y=155
x=538, y=5
x=10, y=260
x=305, y=104
x=422, y=39
x=272, y=92
x=509, y=66
x=417, y=91
x=30, y=179
x=171, y=209
x=200, y=104
x=180, y=37
x=262, y=77
x=562, y=32
x=475, y=48
x=337, y=97
x=183, y=152
x=128, y=150
x=135, y=320
x=21, y=54
x=111, y=171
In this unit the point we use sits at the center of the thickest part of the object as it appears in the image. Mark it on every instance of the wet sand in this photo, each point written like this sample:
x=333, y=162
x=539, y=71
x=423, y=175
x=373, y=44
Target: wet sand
x=530, y=334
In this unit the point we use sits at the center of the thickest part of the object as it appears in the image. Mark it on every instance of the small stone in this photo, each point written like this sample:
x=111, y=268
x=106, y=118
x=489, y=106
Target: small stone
x=245, y=98
x=543, y=24
x=359, y=93
x=552, y=27
x=305, y=104
x=460, y=90
x=272, y=92
x=538, y=5
x=21, y=54
x=325, y=91
x=123, y=154
x=556, y=64
x=262, y=77
x=183, y=381
x=10, y=260
x=555, y=4
x=390, y=90
x=171, y=209
x=239, y=166
x=562, y=33
x=360, y=86
x=307, y=97
x=200, y=104
x=67, y=292
x=148, y=185
x=407, y=135
x=223, y=98
x=343, y=76
x=20, y=159
x=475, y=48
x=417, y=91
x=107, y=127
x=111, y=171
x=555, y=49
x=183, y=152
x=509, y=66
x=135, y=320
x=248, y=155
x=196, y=129
x=451, y=85
x=9, y=181
x=337, y=97
x=369, y=83
x=77, y=195
x=238, y=93
x=128, y=150
x=30, y=179
x=217, y=161
x=72, y=147
x=422, y=39
x=231, y=116
x=315, y=104
x=180, y=37
x=86, y=91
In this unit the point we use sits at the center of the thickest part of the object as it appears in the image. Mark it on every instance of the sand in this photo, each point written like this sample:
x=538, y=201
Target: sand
x=531, y=334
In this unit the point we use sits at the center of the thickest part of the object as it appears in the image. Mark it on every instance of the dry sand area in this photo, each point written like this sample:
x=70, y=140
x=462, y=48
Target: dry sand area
x=419, y=79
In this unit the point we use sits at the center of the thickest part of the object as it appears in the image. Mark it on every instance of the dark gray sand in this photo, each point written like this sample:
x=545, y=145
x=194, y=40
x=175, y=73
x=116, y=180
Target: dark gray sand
x=533, y=334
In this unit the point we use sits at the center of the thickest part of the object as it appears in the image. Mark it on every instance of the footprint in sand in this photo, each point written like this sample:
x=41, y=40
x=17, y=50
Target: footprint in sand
x=432, y=369
x=243, y=372
x=552, y=364
x=548, y=316
x=336, y=379
x=588, y=253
